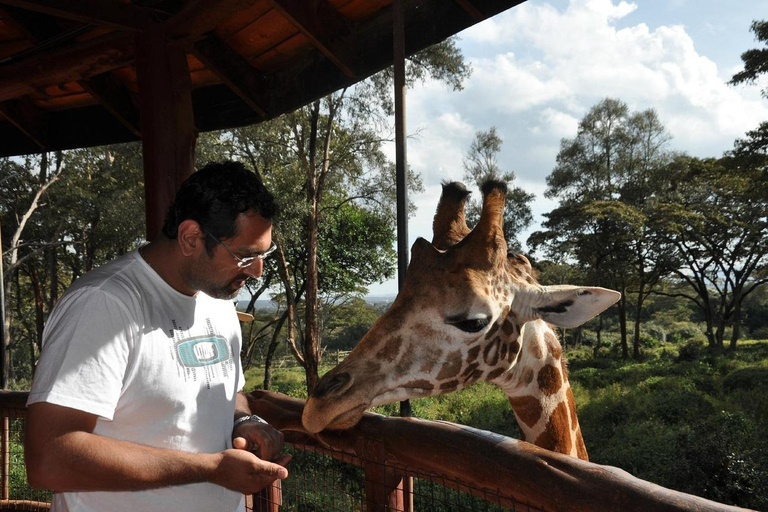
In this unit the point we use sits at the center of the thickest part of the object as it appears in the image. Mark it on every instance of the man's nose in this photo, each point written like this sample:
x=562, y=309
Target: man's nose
x=256, y=268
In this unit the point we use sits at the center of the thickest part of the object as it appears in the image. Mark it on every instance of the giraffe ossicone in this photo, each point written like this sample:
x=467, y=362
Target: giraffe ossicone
x=468, y=311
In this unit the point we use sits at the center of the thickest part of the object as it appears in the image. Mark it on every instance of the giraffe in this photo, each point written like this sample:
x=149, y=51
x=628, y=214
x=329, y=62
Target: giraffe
x=467, y=311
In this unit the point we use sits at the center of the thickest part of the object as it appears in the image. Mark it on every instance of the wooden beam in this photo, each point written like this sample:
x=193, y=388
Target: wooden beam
x=116, y=98
x=473, y=11
x=27, y=118
x=72, y=63
x=35, y=27
x=235, y=71
x=111, y=13
x=167, y=122
x=199, y=17
x=324, y=27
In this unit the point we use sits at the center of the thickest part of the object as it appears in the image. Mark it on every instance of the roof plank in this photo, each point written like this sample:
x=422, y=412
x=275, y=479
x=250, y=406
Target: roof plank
x=235, y=71
x=322, y=25
x=111, y=13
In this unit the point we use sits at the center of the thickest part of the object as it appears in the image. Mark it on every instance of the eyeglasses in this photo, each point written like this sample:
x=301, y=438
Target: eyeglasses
x=245, y=262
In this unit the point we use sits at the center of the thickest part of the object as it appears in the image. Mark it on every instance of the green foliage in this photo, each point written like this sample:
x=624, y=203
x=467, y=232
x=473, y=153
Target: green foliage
x=481, y=165
x=349, y=323
x=755, y=60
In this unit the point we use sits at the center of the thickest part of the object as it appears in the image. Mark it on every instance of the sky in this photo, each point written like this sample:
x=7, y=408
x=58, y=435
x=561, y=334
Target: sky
x=539, y=67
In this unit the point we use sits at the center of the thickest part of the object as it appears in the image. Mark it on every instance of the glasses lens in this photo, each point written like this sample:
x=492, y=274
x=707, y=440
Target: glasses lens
x=272, y=248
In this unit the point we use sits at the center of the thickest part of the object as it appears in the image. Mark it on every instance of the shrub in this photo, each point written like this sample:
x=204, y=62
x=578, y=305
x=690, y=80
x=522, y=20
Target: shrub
x=690, y=351
x=683, y=331
x=749, y=379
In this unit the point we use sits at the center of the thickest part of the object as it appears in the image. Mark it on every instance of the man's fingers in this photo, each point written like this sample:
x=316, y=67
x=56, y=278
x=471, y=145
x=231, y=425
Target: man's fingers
x=276, y=470
x=240, y=443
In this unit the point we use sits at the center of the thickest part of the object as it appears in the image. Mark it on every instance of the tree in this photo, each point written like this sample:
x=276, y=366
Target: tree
x=756, y=59
x=716, y=224
x=605, y=179
x=25, y=196
x=67, y=212
x=755, y=65
x=481, y=165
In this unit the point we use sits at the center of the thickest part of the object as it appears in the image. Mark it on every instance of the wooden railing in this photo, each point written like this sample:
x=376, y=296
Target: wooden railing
x=475, y=461
x=516, y=474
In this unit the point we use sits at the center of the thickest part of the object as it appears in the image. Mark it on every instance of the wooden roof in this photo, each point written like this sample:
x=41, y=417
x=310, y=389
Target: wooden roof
x=68, y=75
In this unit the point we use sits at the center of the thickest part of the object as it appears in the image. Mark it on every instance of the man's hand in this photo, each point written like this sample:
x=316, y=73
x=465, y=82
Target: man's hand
x=260, y=438
x=241, y=471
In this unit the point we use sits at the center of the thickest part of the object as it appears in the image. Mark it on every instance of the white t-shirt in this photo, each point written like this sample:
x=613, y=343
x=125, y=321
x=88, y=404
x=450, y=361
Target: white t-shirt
x=158, y=367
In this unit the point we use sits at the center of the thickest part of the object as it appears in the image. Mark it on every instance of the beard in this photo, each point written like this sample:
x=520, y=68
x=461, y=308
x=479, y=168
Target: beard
x=201, y=279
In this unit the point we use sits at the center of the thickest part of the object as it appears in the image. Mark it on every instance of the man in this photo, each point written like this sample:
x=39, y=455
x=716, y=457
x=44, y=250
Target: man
x=136, y=400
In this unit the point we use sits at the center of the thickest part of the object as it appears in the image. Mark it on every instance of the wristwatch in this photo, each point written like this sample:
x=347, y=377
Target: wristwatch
x=243, y=419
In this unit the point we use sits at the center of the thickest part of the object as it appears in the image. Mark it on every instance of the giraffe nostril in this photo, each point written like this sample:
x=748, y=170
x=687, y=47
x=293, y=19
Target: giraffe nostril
x=328, y=386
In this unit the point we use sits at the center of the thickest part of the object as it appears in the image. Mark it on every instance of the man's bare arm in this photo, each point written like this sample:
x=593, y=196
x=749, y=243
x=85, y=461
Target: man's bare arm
x=63, y=454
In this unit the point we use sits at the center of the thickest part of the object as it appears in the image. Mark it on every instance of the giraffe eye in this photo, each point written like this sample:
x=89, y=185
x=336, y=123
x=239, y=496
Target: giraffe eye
x=471, y=325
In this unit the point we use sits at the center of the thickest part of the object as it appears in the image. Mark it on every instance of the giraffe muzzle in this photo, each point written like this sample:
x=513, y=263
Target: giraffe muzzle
x=336, y=384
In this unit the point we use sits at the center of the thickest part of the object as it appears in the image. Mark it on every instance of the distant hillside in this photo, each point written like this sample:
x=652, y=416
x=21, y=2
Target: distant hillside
x=267, y=306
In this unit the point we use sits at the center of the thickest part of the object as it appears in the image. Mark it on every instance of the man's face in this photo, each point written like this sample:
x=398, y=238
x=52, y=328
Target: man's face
x=218, y=275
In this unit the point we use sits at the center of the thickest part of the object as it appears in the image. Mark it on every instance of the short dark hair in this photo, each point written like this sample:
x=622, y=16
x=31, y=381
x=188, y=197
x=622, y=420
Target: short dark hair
x=214, y=196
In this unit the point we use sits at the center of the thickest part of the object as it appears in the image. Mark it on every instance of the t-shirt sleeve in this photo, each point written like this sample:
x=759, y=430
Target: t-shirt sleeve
x=85, y=355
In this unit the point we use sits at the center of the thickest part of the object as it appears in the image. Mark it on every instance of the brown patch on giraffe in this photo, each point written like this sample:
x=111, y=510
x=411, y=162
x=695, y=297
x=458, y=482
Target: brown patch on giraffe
x=495, y=373
x=390, y=349
x=514, y=348
x=405, y=362
x=508, y=327
x=420, y=384
x=432, y=358
x=491, y=352
x=553, y=345
x=572, y=407
x=473, y=353
x=492, y=331
x=503, y=348
x=372, y=367
x=451, y=366
x=527, y=409
x=549, y=380
x=556, y=435
x=469, y=370
x=581, y=449
x=450, y=385
x=535, y=349
x=475, y=376
x=526, y=378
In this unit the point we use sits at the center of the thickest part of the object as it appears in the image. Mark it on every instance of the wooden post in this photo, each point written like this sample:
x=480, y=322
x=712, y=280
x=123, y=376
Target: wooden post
x=168, y=130
x=269, y=499
x=383, y=487
x=6, y=454
x=401, y=169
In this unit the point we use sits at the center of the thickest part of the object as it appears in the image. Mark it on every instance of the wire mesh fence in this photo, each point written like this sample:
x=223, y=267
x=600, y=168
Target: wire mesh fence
x=16, y=491
x=324, y=480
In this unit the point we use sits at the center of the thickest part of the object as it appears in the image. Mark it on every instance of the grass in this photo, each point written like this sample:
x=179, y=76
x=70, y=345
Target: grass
x=683, y=417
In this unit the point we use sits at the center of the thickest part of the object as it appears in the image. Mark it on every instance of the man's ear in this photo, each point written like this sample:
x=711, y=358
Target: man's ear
x=190, y=237
x=564, y=305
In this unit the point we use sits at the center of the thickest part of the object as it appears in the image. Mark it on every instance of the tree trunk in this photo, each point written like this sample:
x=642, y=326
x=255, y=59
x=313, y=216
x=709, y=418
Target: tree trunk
x=623, y=325
x=271, y=351
x=311, y=352
x=599, y=333
x=736, y=328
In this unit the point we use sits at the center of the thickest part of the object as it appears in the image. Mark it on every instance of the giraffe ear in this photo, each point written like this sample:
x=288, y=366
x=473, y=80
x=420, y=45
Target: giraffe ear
x=570, y=306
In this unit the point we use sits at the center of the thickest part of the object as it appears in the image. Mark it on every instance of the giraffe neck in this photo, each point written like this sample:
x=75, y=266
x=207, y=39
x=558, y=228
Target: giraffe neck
x=540, y=395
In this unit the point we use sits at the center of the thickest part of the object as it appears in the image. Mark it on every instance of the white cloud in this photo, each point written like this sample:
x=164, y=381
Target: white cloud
x=538, y=68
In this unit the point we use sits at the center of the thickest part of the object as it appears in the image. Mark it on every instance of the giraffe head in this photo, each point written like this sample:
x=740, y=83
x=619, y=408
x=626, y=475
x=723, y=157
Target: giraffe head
x=456, y=320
